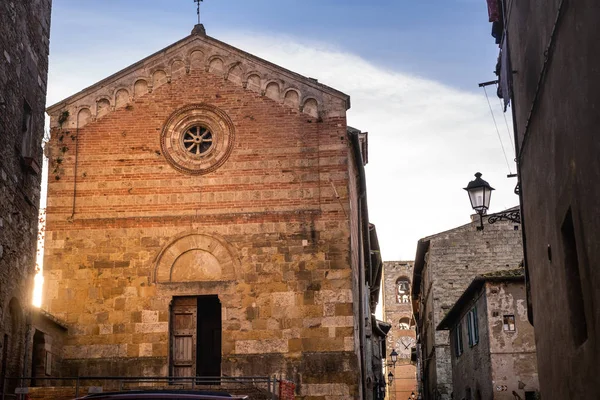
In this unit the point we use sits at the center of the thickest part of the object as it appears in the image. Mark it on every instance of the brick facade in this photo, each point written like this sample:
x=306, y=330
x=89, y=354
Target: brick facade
x=267, y=231
x=445, y=265
x=24, y=38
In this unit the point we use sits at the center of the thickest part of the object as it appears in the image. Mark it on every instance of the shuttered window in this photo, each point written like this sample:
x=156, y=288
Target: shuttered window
x=458, y=343
x=472, y=327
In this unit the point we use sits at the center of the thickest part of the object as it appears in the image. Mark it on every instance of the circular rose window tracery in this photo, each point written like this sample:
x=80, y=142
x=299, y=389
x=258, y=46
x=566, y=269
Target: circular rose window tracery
x=197, y=139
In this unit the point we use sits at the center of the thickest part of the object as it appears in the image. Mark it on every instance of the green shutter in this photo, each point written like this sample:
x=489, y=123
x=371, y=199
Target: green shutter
x=459, y=343
x=475, y=326
x=469, y=329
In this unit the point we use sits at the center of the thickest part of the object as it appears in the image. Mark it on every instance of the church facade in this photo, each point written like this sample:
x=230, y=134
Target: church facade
x=207, y=216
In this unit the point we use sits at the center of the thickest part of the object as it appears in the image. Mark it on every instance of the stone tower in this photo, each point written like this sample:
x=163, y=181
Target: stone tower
x=397, y=311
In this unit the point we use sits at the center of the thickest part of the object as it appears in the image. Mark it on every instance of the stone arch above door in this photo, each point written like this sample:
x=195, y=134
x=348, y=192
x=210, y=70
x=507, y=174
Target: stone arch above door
x=196, y=257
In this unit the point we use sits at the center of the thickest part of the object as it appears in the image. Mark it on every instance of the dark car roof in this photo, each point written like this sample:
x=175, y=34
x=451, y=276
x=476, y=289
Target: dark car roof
x=162, y=394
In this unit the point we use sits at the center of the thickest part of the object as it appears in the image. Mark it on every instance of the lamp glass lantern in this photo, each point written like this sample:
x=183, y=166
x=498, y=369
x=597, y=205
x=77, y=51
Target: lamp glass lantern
x=394, y=356
x=390, y=378
x=480, y=193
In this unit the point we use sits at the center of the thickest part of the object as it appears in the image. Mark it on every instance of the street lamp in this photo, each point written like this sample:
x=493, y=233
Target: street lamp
x=394, y=357
x=390, y=378
x=480, y=193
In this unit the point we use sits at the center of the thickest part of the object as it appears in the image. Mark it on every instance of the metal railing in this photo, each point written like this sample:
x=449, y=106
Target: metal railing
x=266, y=385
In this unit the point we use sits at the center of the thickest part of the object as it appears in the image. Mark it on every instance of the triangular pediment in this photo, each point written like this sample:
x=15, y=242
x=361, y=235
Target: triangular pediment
x=199, y=51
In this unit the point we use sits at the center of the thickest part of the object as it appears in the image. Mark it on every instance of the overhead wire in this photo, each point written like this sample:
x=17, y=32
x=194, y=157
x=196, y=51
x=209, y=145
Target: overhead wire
x=510, y=136
x=497, y=130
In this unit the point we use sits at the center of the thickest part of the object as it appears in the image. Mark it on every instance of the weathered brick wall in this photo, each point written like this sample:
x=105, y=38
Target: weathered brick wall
x=285, y=281
x=454, y=259
x=24, y=33
x=54, y=393
x=404, y=382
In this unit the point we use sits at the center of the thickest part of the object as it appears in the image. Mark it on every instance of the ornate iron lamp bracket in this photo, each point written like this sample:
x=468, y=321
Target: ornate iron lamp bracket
x=514, y=216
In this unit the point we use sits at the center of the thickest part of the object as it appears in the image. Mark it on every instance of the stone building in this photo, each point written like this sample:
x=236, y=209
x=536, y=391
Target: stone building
x=46, y=348
x=207, y=216
x=550, y=74
x=398, y=312
x=445, y=265
x=24, y=40
x=492, y=343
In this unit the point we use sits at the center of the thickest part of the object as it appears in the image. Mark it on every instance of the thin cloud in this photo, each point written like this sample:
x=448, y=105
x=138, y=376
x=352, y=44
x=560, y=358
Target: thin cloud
x=426, y=140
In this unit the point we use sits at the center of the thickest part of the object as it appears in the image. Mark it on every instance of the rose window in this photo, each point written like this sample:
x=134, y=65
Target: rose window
x=197, y=140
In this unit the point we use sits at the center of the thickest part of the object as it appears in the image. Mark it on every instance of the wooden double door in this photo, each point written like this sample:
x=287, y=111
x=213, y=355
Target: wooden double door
x=195, y=336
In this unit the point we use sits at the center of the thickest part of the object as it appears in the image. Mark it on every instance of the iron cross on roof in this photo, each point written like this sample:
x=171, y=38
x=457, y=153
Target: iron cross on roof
x=198, y=9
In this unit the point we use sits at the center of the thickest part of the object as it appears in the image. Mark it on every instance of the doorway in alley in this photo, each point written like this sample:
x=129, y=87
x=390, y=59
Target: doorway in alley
x=196, y=336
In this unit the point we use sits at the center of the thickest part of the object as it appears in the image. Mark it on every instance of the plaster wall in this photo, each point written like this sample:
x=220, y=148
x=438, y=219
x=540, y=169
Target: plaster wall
x=513, y=354
x=558, y=151
x=472, y=370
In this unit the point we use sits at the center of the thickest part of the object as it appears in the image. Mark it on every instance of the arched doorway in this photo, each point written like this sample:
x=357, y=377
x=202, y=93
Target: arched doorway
x=12, y=345
x=40, y=361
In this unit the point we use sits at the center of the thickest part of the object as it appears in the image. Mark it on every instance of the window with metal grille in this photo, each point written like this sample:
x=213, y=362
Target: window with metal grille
x=508, y=322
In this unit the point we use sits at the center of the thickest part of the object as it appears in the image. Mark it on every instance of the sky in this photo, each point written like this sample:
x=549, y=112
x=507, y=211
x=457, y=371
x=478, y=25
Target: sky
x=411, y=68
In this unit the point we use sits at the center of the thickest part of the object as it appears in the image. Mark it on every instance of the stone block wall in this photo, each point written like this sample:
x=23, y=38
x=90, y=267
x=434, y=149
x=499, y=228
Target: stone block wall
x=453, y=260
x=46, y=345
x=265, y=232
x=24, y=35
